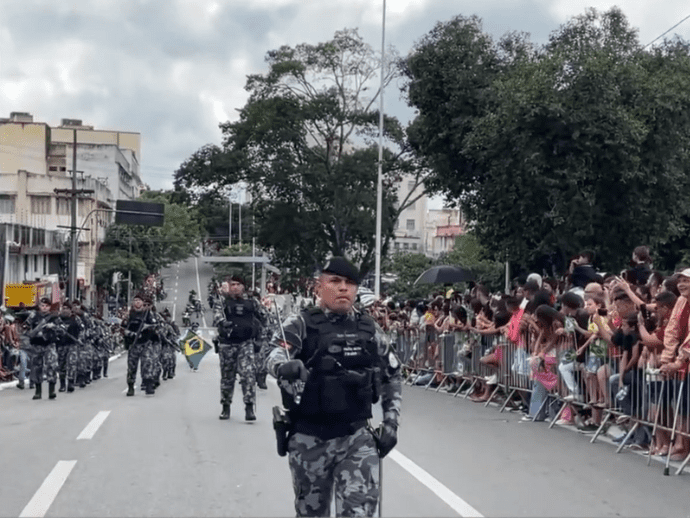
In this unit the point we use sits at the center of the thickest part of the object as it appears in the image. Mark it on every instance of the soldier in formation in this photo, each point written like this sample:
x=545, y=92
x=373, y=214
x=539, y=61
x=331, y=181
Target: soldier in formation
x=332, y=365
x=235, y=321
x=142, y=343
x=39, y=340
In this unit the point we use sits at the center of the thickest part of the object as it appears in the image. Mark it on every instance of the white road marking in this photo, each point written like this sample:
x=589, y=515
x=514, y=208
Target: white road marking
x=451, y=499
x=43, y=498
x=92, y=427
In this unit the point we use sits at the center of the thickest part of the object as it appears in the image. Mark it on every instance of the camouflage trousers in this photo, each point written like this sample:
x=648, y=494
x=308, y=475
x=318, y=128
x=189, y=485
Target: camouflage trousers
x=85, y=359
x=147, y=353
x=260, y=367
x=44, y=360
x=350, y=463
x=67, y=361
x=167, y=358
x=237, y=359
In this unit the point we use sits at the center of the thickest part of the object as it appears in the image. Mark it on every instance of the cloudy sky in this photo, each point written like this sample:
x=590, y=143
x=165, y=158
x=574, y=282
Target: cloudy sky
x=172, y=70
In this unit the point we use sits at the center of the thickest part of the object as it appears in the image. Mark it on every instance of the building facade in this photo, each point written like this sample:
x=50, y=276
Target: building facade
x=36, y=192
x=410, y=227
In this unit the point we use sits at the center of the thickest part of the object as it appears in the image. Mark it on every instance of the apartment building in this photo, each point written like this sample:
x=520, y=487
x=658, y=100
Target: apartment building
x=35, y=184
x=410, y=227
x=442, y=227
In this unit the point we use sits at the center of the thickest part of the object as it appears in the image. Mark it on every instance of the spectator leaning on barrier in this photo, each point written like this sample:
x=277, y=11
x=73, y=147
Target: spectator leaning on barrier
x=653, y=344
x=673, y=366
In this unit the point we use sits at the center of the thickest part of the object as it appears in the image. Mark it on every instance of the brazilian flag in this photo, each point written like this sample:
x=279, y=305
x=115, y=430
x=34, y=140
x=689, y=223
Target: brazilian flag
x=194, y=348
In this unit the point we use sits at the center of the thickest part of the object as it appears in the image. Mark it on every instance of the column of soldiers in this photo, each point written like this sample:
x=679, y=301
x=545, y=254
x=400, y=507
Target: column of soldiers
x=70, y=346
x=151, y=341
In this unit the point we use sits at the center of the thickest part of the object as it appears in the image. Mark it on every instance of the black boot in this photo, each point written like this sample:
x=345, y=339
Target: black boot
x=51, y=391
x=130, y=389
x=37, y=395
x=32, y=384
x=96, y=374
x=150, y=387
x=20, y=385
x=249, y=412
x=87, y=377
x=261, y=382
x=171, y=374
x=63, y=386
x=81, y=380
x=105, y=367
x=165, y=375
x=70, y=385
x=225, y=413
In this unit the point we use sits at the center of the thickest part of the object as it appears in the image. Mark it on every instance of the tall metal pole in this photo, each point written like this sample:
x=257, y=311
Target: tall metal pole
x=230, y=223
x=74, y=245
x=379, y=188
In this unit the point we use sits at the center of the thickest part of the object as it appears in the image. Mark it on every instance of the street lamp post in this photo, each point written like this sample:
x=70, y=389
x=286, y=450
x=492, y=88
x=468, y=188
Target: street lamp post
x=379, y=187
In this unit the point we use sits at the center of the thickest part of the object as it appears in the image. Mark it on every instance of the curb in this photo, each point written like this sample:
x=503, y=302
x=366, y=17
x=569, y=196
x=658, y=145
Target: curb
x=10, y=384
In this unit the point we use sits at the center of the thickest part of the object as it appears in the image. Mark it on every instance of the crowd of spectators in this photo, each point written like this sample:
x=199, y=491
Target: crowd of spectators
x=588, y=346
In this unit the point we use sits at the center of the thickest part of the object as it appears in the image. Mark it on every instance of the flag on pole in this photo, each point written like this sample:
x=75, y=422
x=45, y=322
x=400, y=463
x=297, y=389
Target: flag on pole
x=194, y=348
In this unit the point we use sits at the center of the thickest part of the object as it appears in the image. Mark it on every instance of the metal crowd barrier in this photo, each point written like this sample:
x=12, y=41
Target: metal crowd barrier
x=650, y=406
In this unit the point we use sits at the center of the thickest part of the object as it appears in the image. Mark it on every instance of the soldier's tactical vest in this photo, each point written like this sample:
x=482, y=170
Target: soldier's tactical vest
x=240, y=312
x=344, y=370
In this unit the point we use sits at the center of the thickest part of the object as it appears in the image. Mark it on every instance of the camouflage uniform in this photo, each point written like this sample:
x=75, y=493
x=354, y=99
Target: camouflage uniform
x=144, y=346
x=41, y=339
x=340, y=454
x=169, y=337
x=236, y=349
x=68, y=351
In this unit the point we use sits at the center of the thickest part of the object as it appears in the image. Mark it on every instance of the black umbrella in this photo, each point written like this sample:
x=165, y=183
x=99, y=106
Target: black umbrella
x=444, y=274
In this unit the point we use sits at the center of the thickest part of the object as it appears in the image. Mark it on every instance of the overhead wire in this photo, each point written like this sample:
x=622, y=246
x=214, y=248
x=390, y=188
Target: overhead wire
x=665, y=33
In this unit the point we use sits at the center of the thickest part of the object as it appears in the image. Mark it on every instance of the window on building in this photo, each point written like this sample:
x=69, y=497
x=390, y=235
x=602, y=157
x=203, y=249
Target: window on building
x=63, y=206
x=406, y=246
x=6, y=204
x=410, y=224
x=40, y=204
x=411, y=205
x=53, y=168
x=63, y=169
x=82, y=208
x=414, y=246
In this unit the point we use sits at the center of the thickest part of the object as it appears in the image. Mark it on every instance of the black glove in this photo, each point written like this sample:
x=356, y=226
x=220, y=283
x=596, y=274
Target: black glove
x=387, y=438
x=215, y=345
x=293, y=370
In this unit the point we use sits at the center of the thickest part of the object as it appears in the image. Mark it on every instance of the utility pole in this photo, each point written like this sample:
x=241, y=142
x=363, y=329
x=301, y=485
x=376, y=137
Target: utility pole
x=75, y=244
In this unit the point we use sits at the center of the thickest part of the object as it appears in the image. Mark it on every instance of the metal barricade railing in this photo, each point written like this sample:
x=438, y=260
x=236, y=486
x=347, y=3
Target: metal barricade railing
x=587, y=383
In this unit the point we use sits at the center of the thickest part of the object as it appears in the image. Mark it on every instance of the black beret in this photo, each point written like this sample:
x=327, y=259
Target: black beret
x=343, y=267
x=237, y=278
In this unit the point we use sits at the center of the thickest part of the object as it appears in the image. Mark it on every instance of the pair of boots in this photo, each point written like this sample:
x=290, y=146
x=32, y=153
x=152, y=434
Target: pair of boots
x=39, y=390
x=248, y=412
x=261, y=381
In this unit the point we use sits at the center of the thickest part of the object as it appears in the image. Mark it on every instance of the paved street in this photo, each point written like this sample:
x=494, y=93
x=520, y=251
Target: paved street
x=169, y=455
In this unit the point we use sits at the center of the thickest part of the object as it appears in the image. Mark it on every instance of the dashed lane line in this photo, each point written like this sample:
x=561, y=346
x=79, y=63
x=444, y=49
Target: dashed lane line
x=451, y=499
x=43, y=498
x=94, y=425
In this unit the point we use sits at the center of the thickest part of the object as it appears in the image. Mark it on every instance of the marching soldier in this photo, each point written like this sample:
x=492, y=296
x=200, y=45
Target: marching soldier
x=42, y=335
x=86, y=355
x=140, y=339
x=68, y=348
x=169, y=336
x=332, y=364
x=236, y=333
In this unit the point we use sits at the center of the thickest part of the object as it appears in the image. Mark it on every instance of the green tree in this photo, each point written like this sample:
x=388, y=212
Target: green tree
x=408, y=267
x=153, y=248
x=305, y=145
x=469, y=253
x=579, y=144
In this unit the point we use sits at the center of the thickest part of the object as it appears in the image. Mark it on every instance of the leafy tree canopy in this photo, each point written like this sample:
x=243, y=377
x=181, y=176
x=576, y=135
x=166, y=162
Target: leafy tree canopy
x=152, y=248
x=579, y=144
x=305, y=145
